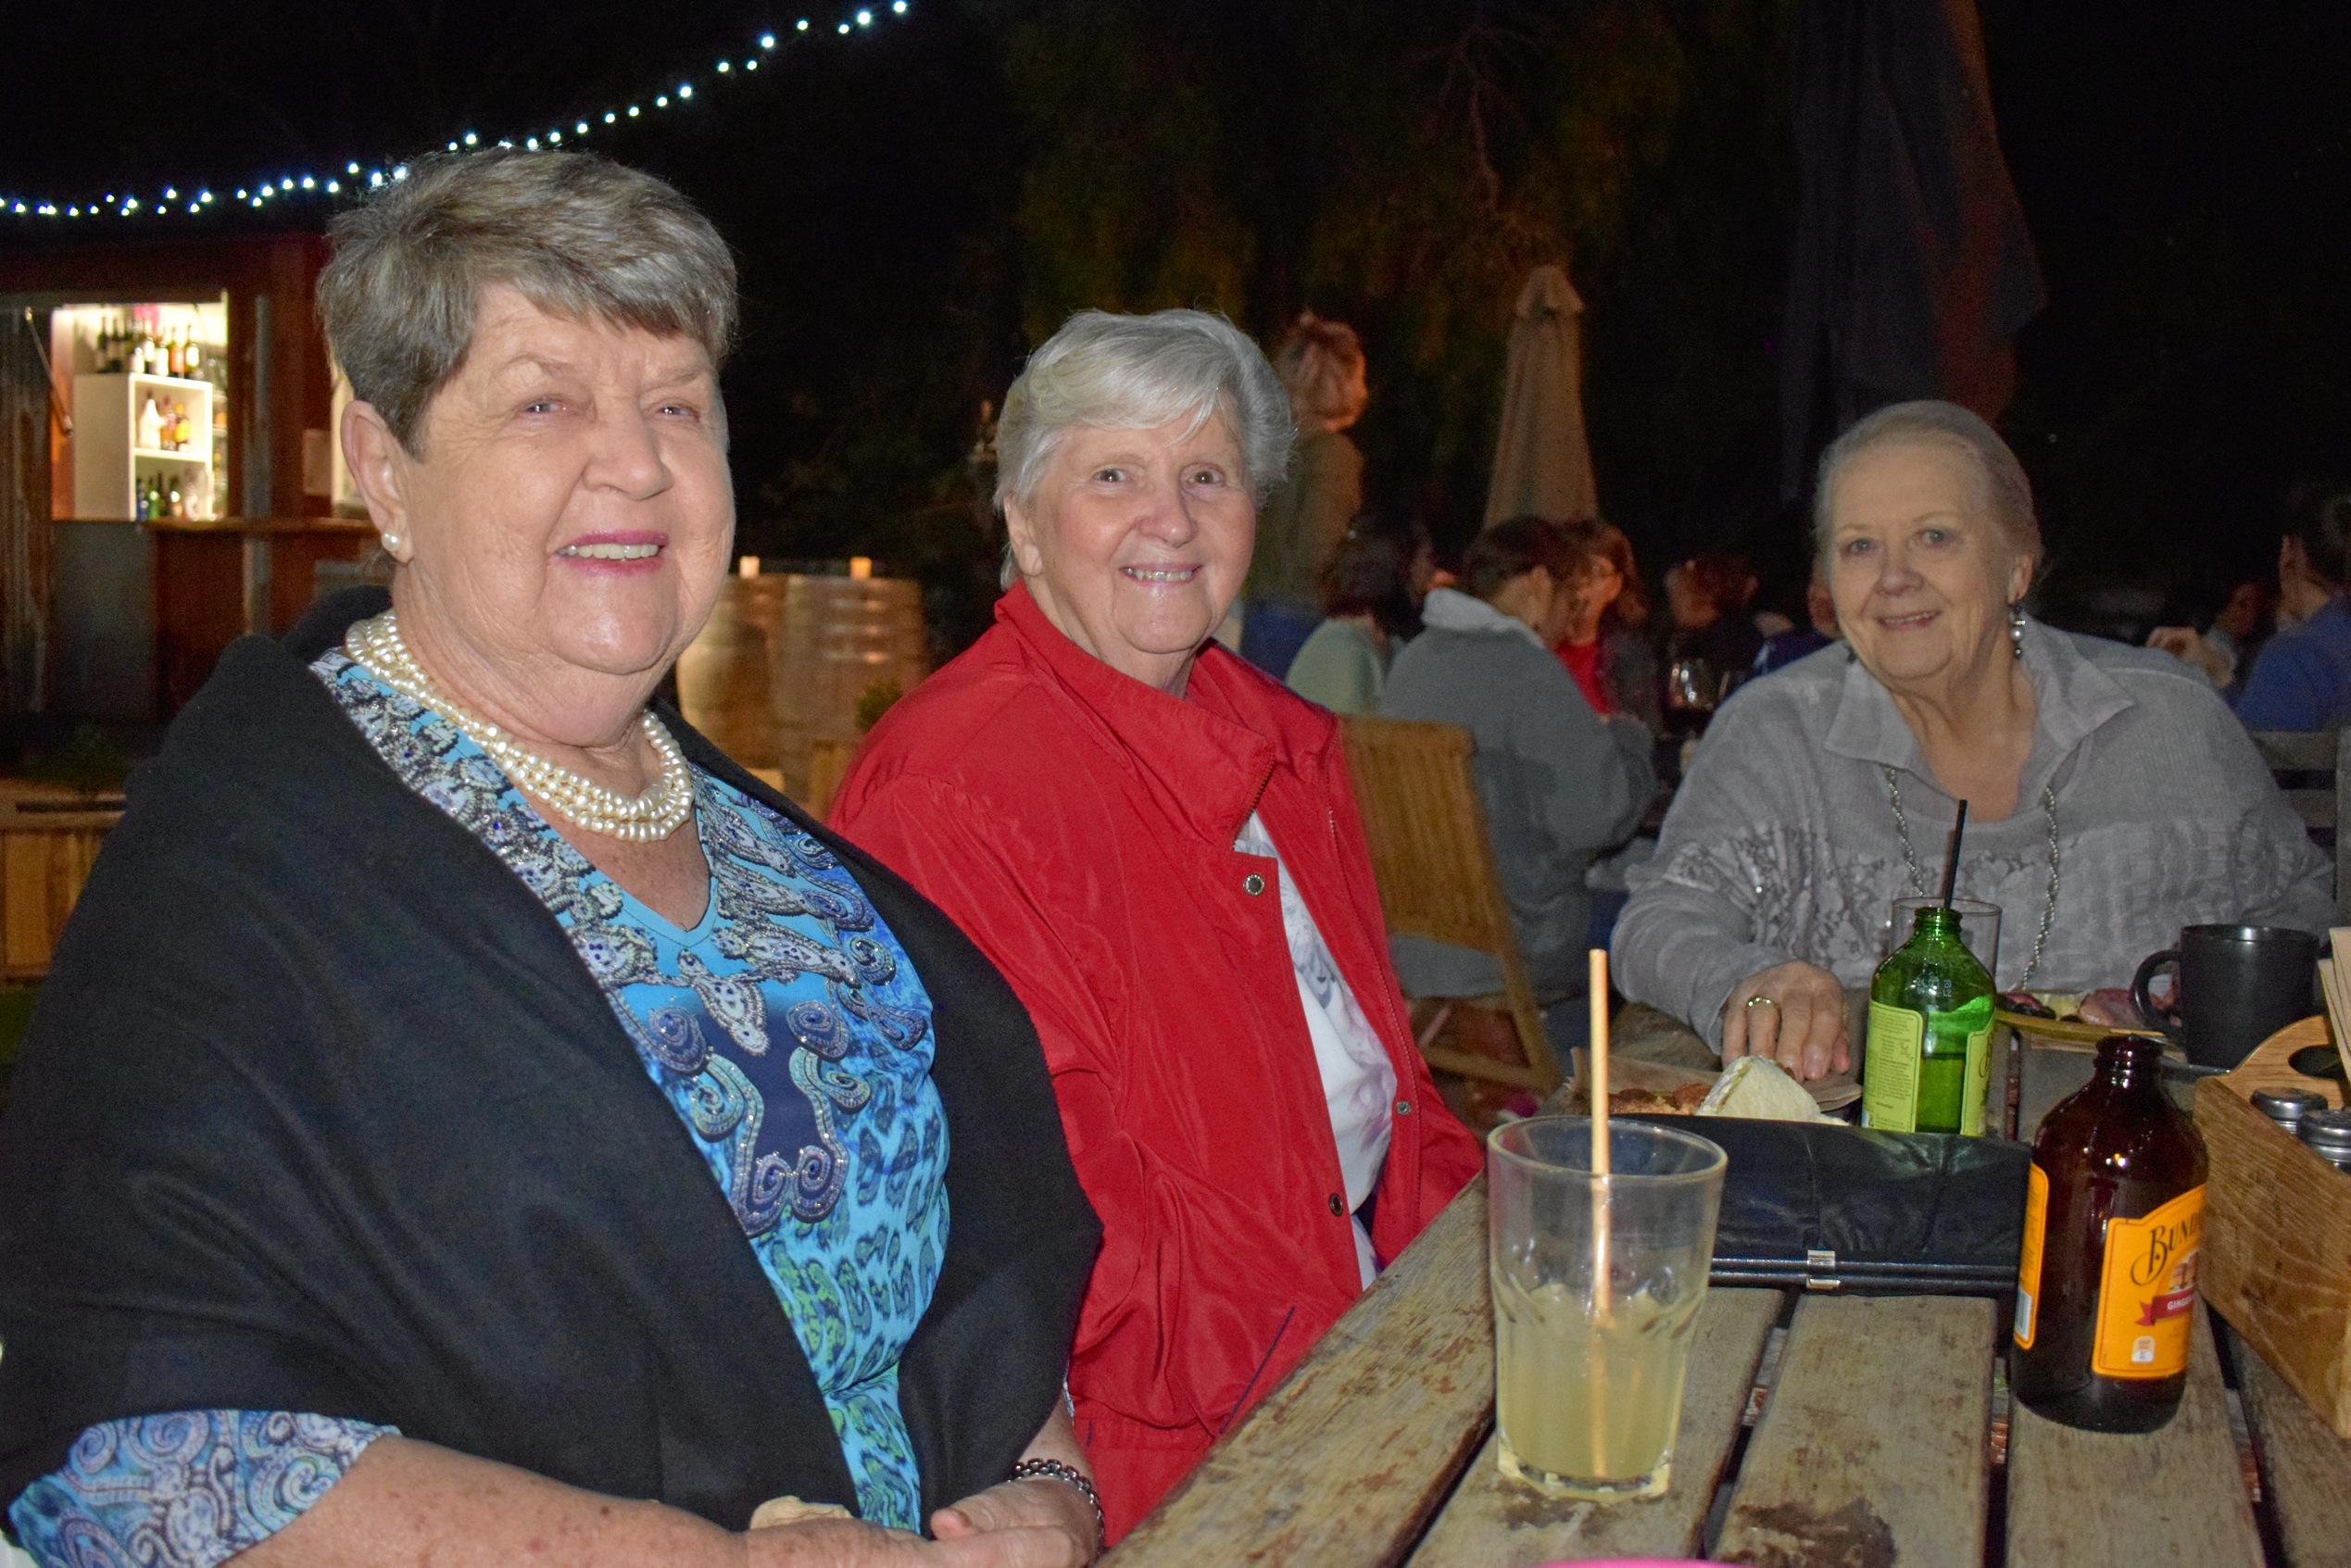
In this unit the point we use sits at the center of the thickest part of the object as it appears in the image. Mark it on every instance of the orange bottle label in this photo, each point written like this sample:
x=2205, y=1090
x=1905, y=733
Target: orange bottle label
x=2028, y=1264
x=2147, y=1291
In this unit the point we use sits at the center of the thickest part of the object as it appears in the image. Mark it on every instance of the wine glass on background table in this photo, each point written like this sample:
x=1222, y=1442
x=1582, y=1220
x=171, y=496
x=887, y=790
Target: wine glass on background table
x=1694, y=688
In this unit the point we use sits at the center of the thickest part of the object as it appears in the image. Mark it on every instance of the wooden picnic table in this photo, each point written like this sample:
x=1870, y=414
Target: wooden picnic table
x=1877, y=1446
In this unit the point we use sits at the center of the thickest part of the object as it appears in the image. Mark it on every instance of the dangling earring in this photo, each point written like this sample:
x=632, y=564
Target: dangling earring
x=2017, y=630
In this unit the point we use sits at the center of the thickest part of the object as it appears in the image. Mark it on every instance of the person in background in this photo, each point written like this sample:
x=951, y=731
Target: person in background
x=1706, y=600
x=2111, y=799
x=1561, y=785
x=2241, y=626
x=472, y=1120
x=2301, y=679
x=1820, y=609
x=1372, y=591
x=1299, y=528
x=1158, y=846
x=1602, y=645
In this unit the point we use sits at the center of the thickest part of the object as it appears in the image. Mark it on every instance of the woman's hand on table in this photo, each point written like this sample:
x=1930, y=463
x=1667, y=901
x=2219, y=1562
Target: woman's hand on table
x=1793, y=1013
x=1030, y=1506
x=847, y=1543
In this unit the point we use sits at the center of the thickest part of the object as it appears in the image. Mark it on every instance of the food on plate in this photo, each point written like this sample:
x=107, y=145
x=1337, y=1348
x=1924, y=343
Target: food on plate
x=1760, y=1089
x=2112, y=1007
x=2024, y=1004
x=1681, y=1101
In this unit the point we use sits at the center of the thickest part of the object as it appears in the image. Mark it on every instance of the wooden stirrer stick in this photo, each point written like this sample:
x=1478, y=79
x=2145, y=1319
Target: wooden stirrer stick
x=1598, y=980
x=1595, y=1376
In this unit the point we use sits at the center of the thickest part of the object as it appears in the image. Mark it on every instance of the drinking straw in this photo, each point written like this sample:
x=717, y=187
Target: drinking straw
x=1595, y=1380
x=1950, y=855
x=1599, y=1129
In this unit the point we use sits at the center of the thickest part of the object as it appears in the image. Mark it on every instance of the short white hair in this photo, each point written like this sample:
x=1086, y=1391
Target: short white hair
x=1106, y=372
x=2001, y=484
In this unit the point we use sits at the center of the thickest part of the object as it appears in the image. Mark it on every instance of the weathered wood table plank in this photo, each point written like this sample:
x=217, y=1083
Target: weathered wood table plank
x=1346, y=1461
x=2085, y=1500
x=1874, y=1448
x=2305, y=1468
x=1491, y=1524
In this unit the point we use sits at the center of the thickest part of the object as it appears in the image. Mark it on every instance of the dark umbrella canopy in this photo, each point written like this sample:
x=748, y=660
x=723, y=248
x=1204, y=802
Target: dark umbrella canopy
x=1912, y=269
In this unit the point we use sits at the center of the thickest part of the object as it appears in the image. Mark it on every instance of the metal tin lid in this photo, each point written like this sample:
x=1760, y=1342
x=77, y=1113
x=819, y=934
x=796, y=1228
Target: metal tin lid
x=2287, y=1106
x=2328, y=1132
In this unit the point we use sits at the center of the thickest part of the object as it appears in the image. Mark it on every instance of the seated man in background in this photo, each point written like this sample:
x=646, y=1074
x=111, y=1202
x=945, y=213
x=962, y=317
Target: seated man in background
x=2301, y=679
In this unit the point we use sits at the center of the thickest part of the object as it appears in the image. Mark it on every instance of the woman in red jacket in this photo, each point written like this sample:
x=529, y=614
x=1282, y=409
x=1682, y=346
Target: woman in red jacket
x=1157, y=845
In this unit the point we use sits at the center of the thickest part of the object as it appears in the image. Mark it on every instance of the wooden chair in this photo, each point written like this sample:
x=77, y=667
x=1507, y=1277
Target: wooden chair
x=2313, y=768
x=1435, y=866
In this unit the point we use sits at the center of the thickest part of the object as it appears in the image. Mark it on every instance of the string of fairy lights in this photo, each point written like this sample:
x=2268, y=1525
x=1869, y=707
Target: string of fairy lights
x=193, y=198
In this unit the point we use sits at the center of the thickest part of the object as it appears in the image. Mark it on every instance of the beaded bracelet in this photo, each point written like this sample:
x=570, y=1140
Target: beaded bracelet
x=1053, y=1469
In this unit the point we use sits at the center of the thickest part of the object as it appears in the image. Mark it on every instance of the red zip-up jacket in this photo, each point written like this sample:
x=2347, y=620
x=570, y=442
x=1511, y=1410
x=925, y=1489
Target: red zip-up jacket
x=1079, y=825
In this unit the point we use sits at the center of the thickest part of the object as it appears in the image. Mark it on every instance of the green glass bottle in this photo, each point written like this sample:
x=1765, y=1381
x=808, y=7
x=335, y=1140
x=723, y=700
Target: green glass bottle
x=1928, y=1056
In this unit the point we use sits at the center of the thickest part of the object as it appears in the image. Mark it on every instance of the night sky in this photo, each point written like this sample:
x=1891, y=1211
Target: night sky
x=2185, y=170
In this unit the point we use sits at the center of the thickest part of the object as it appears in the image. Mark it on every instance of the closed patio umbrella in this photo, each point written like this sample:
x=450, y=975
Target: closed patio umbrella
x=1542, y=461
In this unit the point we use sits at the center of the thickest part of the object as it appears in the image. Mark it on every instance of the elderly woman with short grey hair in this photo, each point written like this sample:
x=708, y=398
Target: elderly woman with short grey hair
x=2111, y=799
x=470, y=1119
x=1157, y=845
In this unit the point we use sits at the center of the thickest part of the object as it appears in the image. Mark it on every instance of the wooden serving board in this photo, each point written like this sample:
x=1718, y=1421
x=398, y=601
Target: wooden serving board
x=2063, y=1034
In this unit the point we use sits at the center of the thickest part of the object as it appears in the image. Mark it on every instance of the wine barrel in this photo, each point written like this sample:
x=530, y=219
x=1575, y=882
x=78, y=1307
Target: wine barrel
x=842, y=638
x=724, y=678
x=48, y=840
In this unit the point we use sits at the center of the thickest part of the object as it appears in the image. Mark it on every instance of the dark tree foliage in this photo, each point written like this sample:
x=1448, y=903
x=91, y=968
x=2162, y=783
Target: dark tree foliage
x=1402, y=166
x=915, y=208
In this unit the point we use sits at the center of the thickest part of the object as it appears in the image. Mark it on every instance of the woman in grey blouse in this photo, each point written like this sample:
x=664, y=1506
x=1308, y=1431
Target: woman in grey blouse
x=2112, y=799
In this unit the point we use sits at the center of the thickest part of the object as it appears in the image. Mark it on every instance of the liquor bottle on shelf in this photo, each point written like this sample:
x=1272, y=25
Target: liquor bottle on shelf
x=150, y=424
x=179, y=430
x=193, y=357
x=177, y=505
x=2106, y=1286
x=1927, y=1058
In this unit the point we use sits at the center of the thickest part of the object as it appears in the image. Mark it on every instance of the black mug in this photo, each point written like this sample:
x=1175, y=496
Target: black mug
x=2237, y=986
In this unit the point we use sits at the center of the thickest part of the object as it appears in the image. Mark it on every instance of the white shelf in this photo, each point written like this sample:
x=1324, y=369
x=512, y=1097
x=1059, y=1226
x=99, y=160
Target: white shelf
x=108, y=462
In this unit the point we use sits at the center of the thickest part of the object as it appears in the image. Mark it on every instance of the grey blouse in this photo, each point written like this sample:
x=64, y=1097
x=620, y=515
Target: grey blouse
x=1782, y=843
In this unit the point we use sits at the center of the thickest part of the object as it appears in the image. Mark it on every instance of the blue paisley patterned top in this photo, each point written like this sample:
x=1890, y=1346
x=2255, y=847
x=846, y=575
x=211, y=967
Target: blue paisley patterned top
x=791, y=1034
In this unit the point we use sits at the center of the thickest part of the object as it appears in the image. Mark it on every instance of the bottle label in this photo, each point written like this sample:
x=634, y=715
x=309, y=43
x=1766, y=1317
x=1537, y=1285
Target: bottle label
x=2147, y=1291
x=1889, y=1079
x=1894, y=1079
x=2029, y=1265
x=1976, y=1083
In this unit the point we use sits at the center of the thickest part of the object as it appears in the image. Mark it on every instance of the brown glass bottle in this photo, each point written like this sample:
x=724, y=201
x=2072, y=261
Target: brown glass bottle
x=2106, y=1296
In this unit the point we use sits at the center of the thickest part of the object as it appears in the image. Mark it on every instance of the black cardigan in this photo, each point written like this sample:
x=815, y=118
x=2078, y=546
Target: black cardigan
x=319, y=1112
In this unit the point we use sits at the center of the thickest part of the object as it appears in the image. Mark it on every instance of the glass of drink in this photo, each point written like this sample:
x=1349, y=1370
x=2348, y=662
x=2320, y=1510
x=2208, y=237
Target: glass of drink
x=1979, y=926
x=1693, y=690
x=1597, y=1282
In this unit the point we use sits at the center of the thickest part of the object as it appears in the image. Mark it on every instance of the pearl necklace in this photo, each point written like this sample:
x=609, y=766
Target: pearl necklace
x=376, y=645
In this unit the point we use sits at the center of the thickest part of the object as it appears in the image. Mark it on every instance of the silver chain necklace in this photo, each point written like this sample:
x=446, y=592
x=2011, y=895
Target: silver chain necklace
x=1918, y=877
